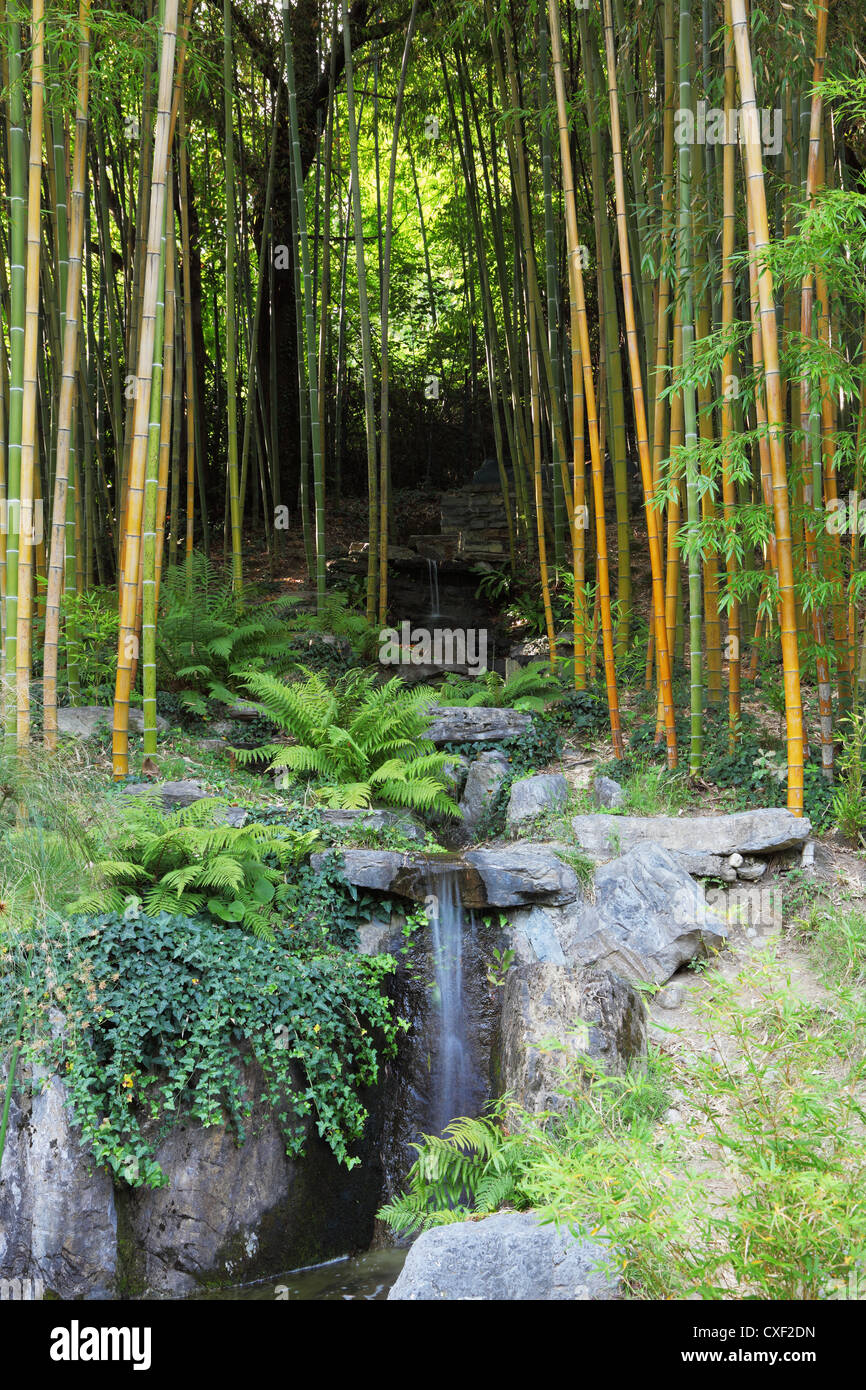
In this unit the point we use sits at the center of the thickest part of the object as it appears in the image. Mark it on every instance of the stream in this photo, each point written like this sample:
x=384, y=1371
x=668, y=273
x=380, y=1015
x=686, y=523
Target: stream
x=365, y=1277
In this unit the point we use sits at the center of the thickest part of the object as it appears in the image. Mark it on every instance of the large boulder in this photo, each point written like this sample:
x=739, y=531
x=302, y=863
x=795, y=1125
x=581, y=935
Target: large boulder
x=532, y=797
x=509, y=1256
x=607, y=793
x=365, y=868
x=703, y=844
x=534, y=935
x=83, y=721
x=232, y=1213
x=58, y=1223
x=648, y=918
x=586, y=1012
x=475, y=724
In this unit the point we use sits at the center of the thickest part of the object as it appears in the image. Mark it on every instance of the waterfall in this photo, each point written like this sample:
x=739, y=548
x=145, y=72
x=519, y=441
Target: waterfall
x=452, y=1089
x=433, y=575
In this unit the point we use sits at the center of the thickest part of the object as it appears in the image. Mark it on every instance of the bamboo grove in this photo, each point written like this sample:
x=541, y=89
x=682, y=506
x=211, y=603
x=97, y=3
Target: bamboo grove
x=631, y=234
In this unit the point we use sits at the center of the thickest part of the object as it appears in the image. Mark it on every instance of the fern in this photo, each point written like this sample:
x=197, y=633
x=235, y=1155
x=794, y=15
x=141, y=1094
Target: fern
x=356, y=740
x=335, y=618
x=474, y=1167
x=206, y=640
x=531, y=689
x=181, y=864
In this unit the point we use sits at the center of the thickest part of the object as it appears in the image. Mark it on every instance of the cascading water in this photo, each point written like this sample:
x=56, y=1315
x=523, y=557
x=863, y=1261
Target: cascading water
x=433, y=575
x=453, y=1082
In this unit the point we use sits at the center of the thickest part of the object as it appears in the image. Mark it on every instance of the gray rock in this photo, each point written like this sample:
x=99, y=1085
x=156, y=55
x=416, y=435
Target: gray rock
x=366, y=868
x=374, y=938
x=172, y=794
x=751, y=870
x=232, y=1213
x=242, y=712
x=649, y=917
x=735, y=861
x=533, y=936
x=503, y=876
x=475, y=724
x=704, y=844
x=375, y=818
x=509, y=1256
x=533, y=796
x=58, y=1223
x=517, y=875
x=212, y=745
x=484, y=778
x=83, y=721
x=671, y=997
x=588, y=1013
x=608, y=793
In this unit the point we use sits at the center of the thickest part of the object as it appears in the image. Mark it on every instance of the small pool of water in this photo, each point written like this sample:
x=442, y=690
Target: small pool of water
x=367, y=1277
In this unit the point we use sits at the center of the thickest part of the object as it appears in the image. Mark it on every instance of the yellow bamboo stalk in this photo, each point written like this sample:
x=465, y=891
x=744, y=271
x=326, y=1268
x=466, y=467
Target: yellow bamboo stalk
x=576, y=292
x=128, y=637
x=663, y=661
x=31, y=351
x=69, y=374
x=756, y=196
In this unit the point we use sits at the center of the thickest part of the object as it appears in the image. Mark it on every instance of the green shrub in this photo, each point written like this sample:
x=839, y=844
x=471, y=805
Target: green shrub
x=204, y=641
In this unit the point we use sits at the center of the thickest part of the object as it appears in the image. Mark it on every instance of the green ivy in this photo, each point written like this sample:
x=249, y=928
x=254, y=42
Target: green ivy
x=162, y=1013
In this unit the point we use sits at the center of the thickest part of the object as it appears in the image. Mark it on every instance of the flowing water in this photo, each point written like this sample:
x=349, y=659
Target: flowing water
x=433, y=576
x=452, y=1094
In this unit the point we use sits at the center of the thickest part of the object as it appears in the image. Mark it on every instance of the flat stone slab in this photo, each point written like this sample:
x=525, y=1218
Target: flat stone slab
x=518, y=875
x=475, y=724
x=506, y=1256
x=702, y=843
x=83, y=721
x=375, y=818
x=502, y=876
x=172, y=794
